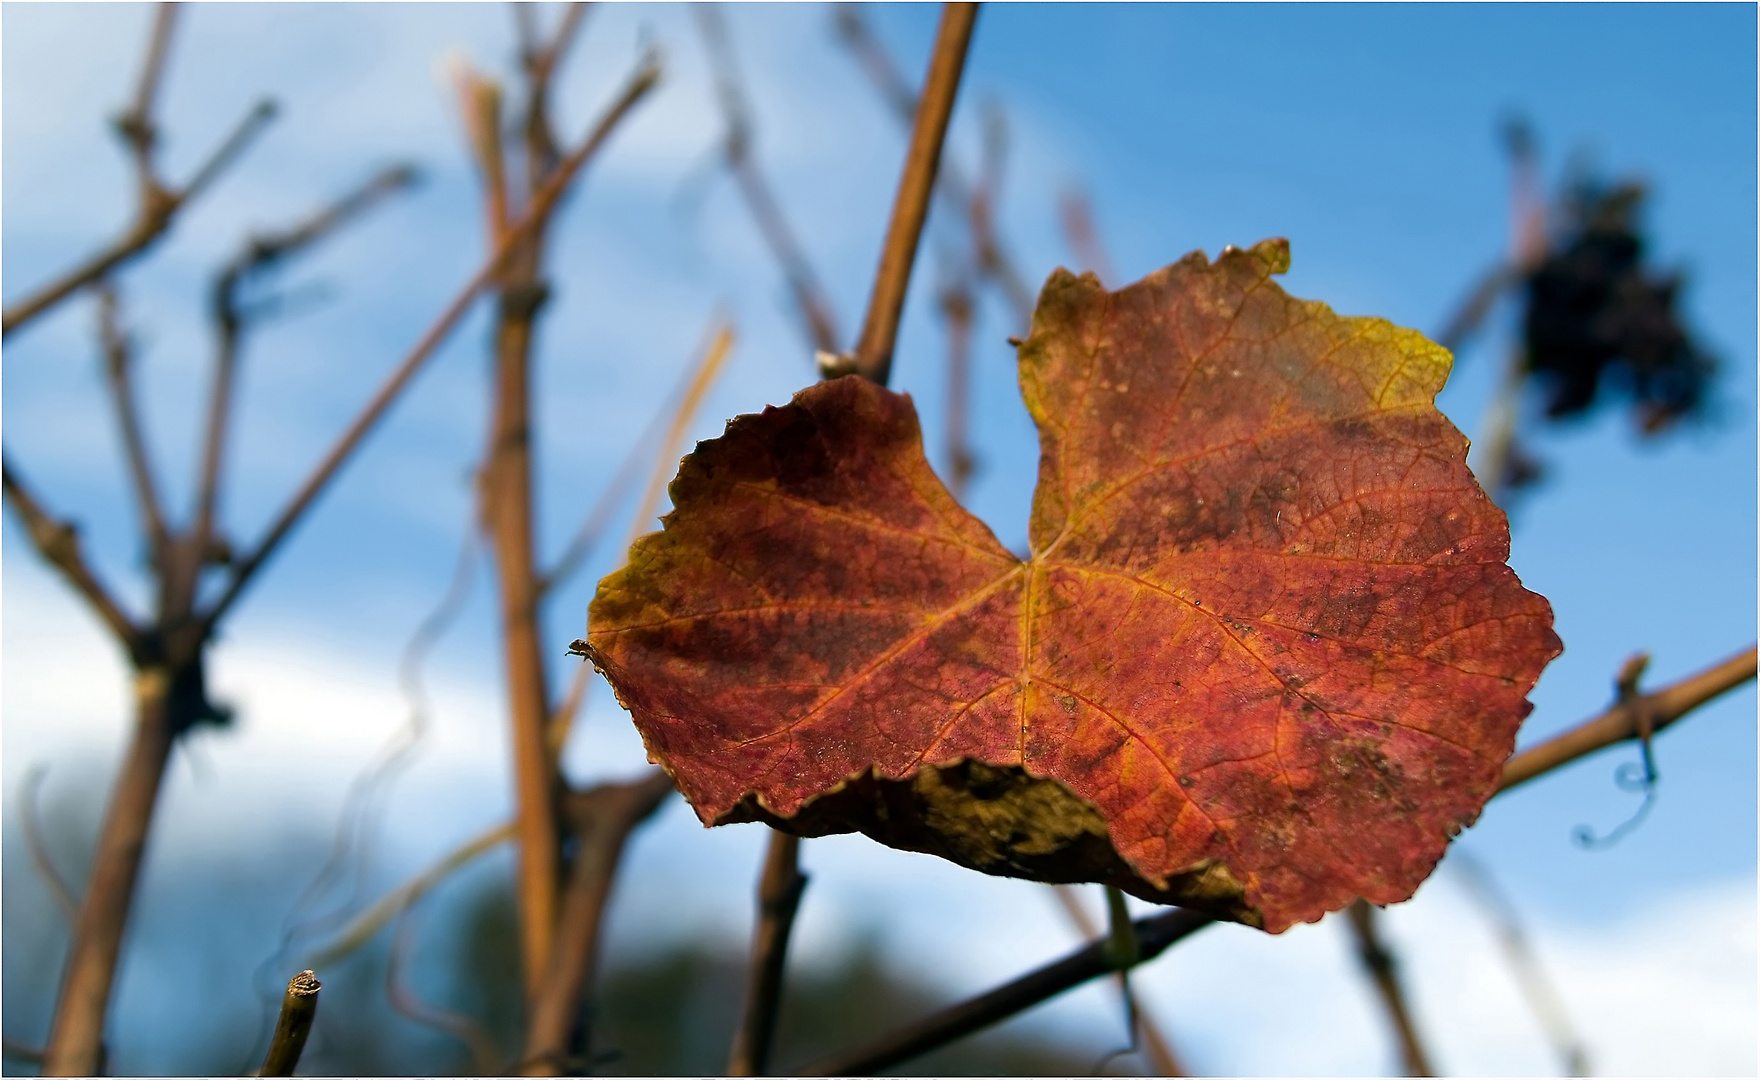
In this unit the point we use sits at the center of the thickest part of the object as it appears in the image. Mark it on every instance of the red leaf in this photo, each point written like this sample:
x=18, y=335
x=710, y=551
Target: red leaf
x=1266, y=656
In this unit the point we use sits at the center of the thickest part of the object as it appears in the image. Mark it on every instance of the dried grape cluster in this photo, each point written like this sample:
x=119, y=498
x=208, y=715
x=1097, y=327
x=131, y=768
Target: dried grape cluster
x=1597, y=324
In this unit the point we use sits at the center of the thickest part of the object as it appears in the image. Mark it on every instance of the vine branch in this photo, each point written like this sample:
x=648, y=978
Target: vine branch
x=803, y=283
x=779, y=899
x=602, y=819
x=260, y=254
x=157, y=205
x=1154, y=934
x=873, y=354
x=647, y=75
x=299, y=1006
x=58, y=542
x=1625, y=720
x=1383, y=969
x=119, y=371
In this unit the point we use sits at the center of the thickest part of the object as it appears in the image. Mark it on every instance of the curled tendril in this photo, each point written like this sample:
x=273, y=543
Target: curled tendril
x=1633, y=776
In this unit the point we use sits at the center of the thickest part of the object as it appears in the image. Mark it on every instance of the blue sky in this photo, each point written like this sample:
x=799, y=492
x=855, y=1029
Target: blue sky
x=1367, y=135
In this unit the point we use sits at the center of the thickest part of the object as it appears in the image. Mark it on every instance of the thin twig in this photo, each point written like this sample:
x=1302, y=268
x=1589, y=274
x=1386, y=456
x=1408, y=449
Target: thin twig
x=1542, y=997
x=260, y=254
x=298, y=1008
x=485, y=1055
x=136, y=125
x=1158, y=1050
x=603, y=819
x=58, y=542
x=1625, y=720
x=369, y=922
x=782, y=882
x=1154, y=934
x=701, y=378
x=1497, y=459
x=352, y=833
x=873, y=353
x=1083, y=236
x=1470, y=315
x=119, y=370
x=993, y=257
x=152, y=220
x=1378, y=960
x=59, y=890
x=30, y=1055
x=956, y=308
x=592, y=528
x=644, y=80
x=779, y=899
x=803, y=283
x=665, y=462
x=479, y=104
x=540, y=63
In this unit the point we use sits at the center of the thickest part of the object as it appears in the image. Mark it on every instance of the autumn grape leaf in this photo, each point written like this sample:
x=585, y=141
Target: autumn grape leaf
x=1265, y=657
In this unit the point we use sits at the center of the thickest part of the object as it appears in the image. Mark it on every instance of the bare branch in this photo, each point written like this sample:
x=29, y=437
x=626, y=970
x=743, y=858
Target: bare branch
x=603, y=818
x=119, y=370
x=644, y=80
x=59, y=891
x=58, y=542
x=76, y=1046
x=1084, y=238
x=1626, y=720
x=779, y=897
x=873, y=354
x=136, y=125
x=1383, y=970
x=260, y=254
x=1154, y=935
x=1543, y=999
x=956, y=307
x=665, y=462
x=1157, y=1049
x=1475, y=306
x=540, y=63
x=479, y=103
x=677, y=410
x=154, y=216
x=299, y=1006
x=683, y=405
x=803, y=283
x=993, y=258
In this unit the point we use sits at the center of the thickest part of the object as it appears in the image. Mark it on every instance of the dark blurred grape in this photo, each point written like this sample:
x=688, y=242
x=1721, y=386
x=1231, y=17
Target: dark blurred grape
x=1598, y=327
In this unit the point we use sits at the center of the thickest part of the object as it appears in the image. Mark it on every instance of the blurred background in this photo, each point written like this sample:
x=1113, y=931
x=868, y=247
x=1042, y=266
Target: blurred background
x=1377, y=139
